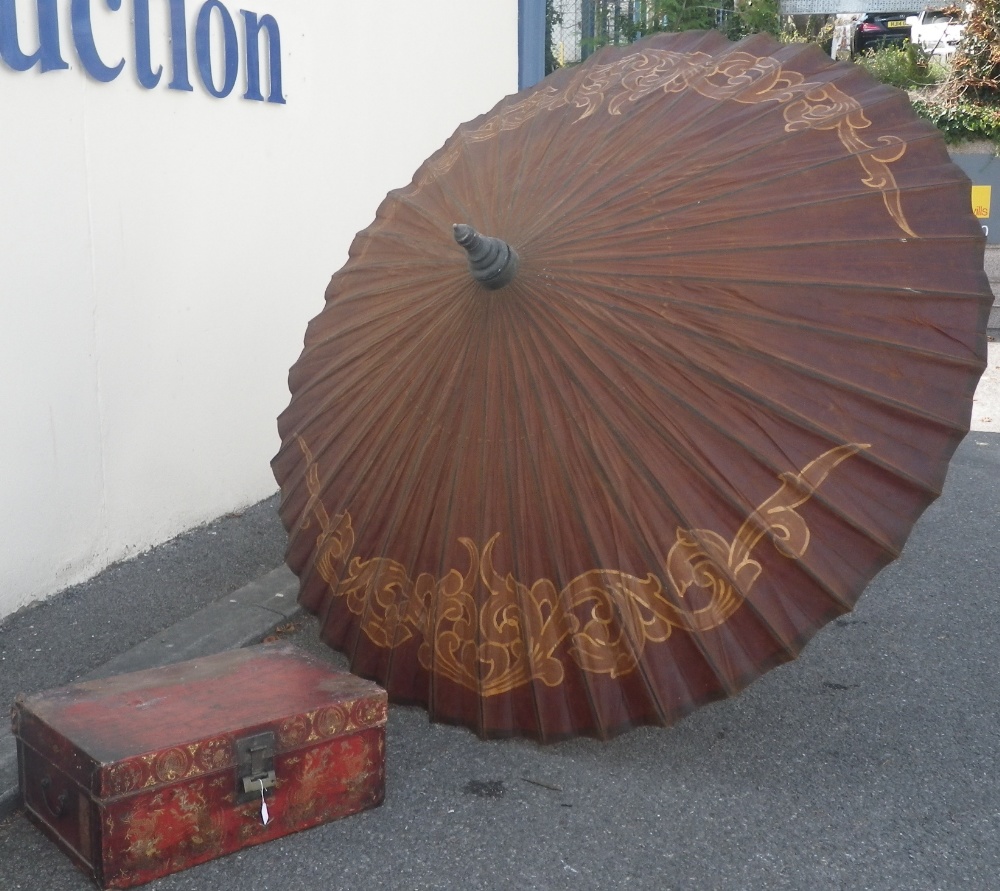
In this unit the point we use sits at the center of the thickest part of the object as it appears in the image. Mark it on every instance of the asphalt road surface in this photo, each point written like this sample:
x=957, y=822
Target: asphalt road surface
x=869, y=763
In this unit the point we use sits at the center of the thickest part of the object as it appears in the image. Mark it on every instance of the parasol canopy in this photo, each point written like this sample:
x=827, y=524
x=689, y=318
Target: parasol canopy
x=676, y=386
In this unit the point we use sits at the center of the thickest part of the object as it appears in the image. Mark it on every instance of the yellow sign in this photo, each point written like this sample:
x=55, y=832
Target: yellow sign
x=981, y=201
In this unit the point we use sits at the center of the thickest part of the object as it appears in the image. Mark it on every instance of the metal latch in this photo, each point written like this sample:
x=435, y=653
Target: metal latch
x=254, y=766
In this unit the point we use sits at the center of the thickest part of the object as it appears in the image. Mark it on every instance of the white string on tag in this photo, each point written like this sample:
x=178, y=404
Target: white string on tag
x=263, y=805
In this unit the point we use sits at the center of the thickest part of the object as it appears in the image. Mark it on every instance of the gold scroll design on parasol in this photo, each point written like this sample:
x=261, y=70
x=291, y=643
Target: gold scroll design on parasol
x=607, y=617
x=738, y=76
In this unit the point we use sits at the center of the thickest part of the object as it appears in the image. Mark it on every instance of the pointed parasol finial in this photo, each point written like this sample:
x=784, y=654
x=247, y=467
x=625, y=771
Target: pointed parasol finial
x=492, y=261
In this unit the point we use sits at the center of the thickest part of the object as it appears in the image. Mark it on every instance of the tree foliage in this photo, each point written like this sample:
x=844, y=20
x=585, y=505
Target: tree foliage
x=640, y=17
x=754, y=17
x=976, y=68
x=553, y=19
x=618, y=22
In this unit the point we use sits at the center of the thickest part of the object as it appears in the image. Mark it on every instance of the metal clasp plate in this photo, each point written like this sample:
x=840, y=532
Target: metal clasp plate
x=254, y=766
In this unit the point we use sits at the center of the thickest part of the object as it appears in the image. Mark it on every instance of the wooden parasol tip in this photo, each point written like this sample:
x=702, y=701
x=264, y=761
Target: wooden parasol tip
x=492, y=262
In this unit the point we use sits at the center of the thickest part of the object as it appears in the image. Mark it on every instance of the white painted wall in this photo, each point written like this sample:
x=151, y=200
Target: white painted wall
x=161, y=253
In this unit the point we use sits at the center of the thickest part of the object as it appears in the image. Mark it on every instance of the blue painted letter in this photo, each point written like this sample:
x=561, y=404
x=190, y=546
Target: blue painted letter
x=48, y=34
x=253, y=29
x=203, y=48
x=144, y=67
x=179, y=46
x=83, y=36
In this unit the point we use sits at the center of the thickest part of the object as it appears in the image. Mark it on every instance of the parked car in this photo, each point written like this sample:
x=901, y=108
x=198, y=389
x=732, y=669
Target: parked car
x=856, y=34
x=937, y=31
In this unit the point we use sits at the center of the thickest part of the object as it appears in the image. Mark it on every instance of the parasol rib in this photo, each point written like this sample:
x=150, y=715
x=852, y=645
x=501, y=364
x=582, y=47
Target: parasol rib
x=722, y=381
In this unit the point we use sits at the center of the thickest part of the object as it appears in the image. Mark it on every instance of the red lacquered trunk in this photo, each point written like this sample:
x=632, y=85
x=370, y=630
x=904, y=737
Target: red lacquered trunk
x=145, y=774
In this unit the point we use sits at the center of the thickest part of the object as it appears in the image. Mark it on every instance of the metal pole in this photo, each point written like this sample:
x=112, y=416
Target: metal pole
x=586, y=28
x=531, y=26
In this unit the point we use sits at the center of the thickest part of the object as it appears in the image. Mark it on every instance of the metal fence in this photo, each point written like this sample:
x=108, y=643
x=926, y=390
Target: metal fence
x=578, y=27
x=565, y=23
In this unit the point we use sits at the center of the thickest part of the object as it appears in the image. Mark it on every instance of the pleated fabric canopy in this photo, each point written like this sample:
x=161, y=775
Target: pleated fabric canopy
x=674, y=390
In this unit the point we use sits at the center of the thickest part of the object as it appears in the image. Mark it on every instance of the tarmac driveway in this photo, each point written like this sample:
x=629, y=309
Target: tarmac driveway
x=869, y=763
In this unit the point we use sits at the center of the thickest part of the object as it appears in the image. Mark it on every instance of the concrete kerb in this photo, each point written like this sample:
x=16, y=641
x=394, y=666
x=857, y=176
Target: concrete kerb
x=234, y=620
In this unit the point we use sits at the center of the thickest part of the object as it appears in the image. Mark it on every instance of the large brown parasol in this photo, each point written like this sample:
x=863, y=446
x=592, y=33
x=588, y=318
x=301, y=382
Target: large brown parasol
x=635, y=452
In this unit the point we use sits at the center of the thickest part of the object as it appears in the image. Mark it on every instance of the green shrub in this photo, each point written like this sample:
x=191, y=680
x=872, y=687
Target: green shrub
x=753, y=17
x=961, y=121
x=816, y=29
x=905, y=66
